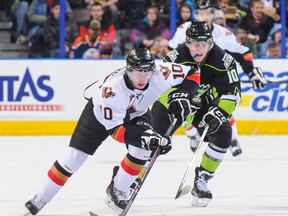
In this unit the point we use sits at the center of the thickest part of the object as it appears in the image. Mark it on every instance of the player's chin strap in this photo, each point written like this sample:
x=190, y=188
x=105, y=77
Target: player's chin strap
x=87, y=88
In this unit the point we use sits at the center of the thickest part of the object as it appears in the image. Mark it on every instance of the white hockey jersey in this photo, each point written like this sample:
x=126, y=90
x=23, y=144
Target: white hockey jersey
x=224, y=38
x=113, y=98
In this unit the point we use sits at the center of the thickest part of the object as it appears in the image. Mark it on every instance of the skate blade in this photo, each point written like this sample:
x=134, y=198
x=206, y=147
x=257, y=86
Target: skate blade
x=109, y=202
x=200, y=202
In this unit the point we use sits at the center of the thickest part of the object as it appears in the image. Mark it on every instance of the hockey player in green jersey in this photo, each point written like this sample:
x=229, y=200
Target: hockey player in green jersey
x=219, y=81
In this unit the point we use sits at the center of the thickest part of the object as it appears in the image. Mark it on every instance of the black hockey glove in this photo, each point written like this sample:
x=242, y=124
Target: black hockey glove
x=257, y=77
x=179, y=105
x=214, y=118
x=150, y=140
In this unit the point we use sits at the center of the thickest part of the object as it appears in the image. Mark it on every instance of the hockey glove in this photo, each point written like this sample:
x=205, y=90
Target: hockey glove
x=257, y=77
x=150, y=140
x=179, y=105
x=214, y=118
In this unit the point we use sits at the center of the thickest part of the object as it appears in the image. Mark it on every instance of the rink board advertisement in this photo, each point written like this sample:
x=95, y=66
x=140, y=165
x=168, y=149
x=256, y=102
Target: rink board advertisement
x=45, y=97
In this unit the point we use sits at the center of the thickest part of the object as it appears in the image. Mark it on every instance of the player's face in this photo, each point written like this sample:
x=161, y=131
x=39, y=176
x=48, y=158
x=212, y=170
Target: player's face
x=198, y=49
x=205, y=15
x=139, y=79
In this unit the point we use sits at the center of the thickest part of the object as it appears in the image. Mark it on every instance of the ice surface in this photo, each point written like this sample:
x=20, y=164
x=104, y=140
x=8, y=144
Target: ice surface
x=255, y=185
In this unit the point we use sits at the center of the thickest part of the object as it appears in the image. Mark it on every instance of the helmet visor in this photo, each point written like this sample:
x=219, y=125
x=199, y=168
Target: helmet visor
x=196, y=45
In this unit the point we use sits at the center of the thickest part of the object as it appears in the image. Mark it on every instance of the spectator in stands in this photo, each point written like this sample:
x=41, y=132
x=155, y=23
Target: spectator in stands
x=160, y=48
x=111, y=6
x=272, y=9
x=185, y=14
x=108, y=31
x=219, y=18
x=232, y=12
x=149, y=29
x=88, y=46
x=179, y=4
x=51, y=31
x=38, y=13
x=163, y=7
x=19, y=28
x=257, y=23
x=275, y=36
x=274, y=50
x=243, y=37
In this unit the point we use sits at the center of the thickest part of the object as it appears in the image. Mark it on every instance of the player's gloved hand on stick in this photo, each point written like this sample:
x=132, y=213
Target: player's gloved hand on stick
x=179, y=105
x=257, y=77
x=214, y=118
x=150, y=140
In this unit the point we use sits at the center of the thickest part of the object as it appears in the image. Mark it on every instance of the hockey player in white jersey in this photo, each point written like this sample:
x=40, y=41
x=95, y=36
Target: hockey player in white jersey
x=120, y=108
x=226, y=40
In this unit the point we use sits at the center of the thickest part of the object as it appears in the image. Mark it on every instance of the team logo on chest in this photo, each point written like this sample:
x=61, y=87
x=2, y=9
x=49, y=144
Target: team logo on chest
x=133, y=98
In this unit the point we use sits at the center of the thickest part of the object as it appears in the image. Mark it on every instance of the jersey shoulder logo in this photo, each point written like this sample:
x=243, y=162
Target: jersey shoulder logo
x=227, y=59
x=173, y=55
x=107, y=92
x=165, y=71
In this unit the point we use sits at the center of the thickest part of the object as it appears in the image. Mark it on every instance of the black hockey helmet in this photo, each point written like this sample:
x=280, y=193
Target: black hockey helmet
x=198, y=31
x=204, y=5
x=141, y=60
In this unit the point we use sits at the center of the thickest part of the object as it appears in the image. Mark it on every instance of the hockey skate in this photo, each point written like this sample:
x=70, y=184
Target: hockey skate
x=200, y=192
x=34, y=206
x=235, y=148
x=116, y=199
x=194, y=142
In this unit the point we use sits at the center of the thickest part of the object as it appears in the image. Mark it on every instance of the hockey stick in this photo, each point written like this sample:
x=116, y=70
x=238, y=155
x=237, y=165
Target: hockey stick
x=185, y=190
x=269, y=81
x=152, y=161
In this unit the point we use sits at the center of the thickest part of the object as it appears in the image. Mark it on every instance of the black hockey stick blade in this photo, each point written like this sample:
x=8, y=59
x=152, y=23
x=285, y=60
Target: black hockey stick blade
x=152, y=161
x=92, y=214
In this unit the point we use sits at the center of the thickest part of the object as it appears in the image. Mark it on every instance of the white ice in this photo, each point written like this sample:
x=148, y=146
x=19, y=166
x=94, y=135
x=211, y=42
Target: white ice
x=255, y=185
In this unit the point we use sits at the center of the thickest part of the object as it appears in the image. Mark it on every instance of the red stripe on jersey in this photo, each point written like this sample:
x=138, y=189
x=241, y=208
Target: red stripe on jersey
x=248, y=56
x=194, y=77
x=55, y=179
x=129, y=170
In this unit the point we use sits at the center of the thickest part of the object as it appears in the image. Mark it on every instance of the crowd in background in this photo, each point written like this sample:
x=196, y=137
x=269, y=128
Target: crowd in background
x=110, y=28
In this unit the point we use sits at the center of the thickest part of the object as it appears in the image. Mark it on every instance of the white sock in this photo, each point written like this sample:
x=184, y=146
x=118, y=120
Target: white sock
x=48, y=190
x=191, y=131
x=123, y=180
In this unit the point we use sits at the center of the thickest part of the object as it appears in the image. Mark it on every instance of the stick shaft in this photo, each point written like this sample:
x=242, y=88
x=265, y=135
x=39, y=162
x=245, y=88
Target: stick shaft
x=152, y=161
x=191, y=163
x=268, y=81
